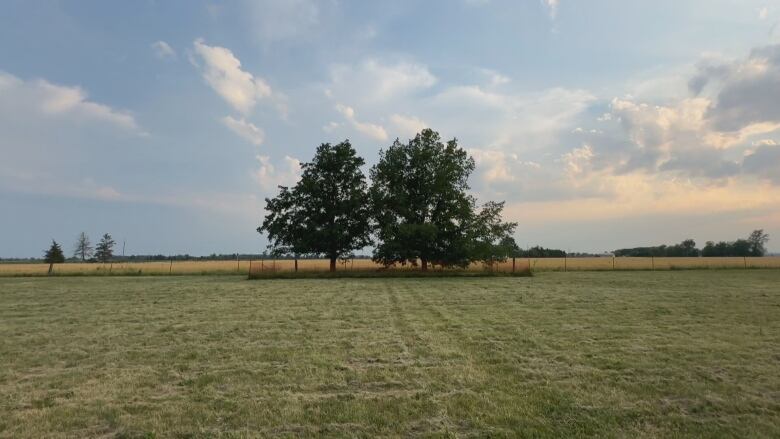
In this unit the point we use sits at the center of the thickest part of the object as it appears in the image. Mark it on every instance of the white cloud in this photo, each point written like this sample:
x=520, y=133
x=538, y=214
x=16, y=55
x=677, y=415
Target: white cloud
x=244, y=129
x=578, y=160
x=498, y=166
x=47, y=99
x=269, y=177
x=495, y=78
x=408, y=125
x=222, y=71
x=163, y=50
x=552, y=6
x=373, y=81
x=371, y=130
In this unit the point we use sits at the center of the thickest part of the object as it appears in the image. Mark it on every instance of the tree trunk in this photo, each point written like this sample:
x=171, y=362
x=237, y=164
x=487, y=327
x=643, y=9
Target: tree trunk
x=333, y=263
x=424, y=264
x=51, y=267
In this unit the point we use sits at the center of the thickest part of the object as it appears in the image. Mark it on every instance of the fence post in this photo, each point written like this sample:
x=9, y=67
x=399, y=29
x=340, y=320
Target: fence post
x=744, y=259
x=250, y=267
x=514, y=264
x=613, y=262
x=170, y=268
x=296, y=264
x=565, y=269
x=652, y=262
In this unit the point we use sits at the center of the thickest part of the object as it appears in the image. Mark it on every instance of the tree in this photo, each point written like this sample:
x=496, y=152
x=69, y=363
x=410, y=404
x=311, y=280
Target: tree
x=83, y=248
x=326, y=212
x=420, y=206
x=53, y=255
x=104, y=251
x=758, y=240
x=421, y=210
x=490, y=236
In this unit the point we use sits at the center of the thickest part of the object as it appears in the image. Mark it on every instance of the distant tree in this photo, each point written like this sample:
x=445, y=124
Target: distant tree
x=83, y=248
x=687, y=248
x=758, y=240
x=508, y=248
x=326, y=212
x=740, y=247
x=420, y=207
x=53, y=255
x=104, y=251
x=541, y=252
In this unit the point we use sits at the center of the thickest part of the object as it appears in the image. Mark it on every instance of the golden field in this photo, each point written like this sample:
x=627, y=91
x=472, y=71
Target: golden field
x=244, y=266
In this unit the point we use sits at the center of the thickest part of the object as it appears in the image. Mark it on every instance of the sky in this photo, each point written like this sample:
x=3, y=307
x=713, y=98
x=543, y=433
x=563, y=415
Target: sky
x=603, y=124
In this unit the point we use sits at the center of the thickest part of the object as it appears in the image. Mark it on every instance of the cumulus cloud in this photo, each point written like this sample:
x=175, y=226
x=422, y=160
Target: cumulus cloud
x=373, y=81
x=373, y=131
x=749, y=91
x=46, y=99
x=407, y=126
x=222, y=71
x=269, y=177
x=163, y=50
x=497, y=166
x=244, y=129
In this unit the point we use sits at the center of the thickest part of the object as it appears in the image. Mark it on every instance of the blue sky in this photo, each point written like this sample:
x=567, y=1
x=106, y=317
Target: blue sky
x=603, y=124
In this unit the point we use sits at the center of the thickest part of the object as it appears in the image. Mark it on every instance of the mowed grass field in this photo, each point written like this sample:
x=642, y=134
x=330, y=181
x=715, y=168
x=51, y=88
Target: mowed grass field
x=600, y=354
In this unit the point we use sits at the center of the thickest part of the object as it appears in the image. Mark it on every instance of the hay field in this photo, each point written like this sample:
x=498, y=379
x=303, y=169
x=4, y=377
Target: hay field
x=580, y=354
x=243, y=267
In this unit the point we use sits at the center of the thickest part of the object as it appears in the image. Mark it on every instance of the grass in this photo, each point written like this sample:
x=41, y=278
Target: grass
x=600, y=354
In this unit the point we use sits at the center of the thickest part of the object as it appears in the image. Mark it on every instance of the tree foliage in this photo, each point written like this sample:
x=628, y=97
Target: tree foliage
x=421, y=210
x=687, y=248
x=326, y=212
x=83, y=248
x=54, y=254
x=104, y=251
x=758, y=240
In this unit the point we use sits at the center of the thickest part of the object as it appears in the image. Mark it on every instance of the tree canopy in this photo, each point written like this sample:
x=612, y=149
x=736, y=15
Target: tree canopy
x=54, y=254
x=326, y=212
x=421, y=210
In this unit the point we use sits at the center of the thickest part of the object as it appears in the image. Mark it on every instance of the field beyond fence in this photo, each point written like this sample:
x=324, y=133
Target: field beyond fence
x=259, y=267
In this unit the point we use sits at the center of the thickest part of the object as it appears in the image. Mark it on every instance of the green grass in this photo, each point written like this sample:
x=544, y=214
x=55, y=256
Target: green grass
x=623, y=354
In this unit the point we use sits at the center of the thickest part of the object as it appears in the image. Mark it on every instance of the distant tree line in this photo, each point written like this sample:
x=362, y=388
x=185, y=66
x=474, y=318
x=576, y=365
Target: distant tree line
x=753, y=245
x=417, y=210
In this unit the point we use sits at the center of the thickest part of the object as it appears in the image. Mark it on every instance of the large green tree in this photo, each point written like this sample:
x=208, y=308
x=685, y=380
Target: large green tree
x=327, y=212
x=422, y=211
